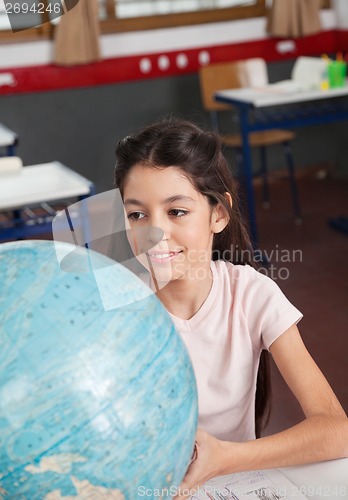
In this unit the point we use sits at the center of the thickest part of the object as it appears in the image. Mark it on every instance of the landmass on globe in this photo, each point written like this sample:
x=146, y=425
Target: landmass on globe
x=61, y=463
x=85, y=490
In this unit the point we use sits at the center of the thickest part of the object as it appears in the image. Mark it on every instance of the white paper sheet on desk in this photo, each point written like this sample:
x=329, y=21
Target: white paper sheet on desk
x=255, y=485
x=282, y=87
x=288, y=86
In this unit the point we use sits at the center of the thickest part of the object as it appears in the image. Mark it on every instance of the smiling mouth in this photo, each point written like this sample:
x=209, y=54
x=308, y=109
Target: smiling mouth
x=162, y=257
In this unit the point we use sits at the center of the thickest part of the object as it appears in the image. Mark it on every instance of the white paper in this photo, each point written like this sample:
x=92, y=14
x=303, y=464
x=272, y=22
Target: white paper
x=254, y=485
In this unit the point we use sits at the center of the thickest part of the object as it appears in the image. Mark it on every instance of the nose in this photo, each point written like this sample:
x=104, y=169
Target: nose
x=158, y=229
x=155, y=235
x=146, y=236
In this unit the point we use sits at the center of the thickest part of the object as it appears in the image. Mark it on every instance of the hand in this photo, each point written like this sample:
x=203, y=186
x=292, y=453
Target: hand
x=207, y=463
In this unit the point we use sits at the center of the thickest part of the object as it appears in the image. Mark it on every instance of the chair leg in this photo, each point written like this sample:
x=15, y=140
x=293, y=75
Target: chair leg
x=294, y=193
x=264, y=173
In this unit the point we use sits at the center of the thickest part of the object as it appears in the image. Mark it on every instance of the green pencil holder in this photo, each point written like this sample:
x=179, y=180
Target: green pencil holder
x=337, y=73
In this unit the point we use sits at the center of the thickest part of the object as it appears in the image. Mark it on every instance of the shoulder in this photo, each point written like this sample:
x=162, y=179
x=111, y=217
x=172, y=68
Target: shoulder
x=243, y=279
x=258, y=299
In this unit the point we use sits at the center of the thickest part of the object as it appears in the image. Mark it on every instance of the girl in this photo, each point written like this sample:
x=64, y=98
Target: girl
x=172, y=175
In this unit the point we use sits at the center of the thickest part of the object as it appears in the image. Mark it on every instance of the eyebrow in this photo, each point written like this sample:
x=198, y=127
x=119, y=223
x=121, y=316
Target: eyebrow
x=171, y=199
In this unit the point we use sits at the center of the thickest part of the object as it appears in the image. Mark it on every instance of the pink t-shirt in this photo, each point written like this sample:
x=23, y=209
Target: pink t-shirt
x=244, y=313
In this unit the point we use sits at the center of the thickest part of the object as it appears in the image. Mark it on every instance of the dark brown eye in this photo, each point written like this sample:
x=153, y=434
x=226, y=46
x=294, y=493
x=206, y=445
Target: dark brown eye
x=135, y=215
x=178, y=212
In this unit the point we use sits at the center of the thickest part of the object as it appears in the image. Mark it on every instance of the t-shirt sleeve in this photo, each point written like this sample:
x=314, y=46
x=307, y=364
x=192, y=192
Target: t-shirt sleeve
x=268, y=311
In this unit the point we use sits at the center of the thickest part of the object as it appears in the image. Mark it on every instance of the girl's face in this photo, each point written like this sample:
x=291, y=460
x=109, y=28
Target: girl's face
x=164, y=198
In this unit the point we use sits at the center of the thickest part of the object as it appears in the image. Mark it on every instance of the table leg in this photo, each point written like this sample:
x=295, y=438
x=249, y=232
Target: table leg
x=11, y=151
x=248, y=175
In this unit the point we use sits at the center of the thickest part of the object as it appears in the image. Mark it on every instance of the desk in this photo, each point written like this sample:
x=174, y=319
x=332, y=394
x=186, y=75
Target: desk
x=321, y=480
x=314, y=481
x=271, y=107
x=8, y=139
x=37, y=185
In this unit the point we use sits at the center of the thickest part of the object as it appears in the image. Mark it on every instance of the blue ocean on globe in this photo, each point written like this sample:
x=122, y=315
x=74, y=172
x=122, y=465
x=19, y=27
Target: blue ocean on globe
x=94, y=403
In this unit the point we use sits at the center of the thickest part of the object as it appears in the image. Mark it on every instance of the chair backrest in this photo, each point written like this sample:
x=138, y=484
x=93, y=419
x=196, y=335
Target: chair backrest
x=217, y=77
x=308, y=71
x=230, y=75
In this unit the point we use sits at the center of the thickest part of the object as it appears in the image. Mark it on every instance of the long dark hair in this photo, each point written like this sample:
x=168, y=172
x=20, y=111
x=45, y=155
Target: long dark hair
x=198, y=153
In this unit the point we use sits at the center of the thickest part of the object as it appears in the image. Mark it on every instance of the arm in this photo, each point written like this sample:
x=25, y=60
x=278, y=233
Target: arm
x=322, y=435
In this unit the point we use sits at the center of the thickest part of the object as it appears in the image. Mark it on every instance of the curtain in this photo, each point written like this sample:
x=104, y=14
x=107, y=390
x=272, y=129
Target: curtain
x=77, y=34
x=294, y=18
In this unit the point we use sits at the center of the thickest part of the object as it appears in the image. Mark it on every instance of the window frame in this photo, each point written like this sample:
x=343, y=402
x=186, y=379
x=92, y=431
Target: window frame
x=114, y=25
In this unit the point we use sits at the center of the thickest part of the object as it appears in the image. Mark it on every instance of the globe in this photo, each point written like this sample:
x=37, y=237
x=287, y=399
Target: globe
x=94, y=403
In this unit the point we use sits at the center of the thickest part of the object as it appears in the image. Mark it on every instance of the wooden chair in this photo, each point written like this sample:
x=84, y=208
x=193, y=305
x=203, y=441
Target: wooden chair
x=237, y=74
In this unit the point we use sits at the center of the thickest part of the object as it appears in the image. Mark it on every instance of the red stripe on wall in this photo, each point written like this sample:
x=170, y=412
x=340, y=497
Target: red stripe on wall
x=342, y=40
x=126, y=69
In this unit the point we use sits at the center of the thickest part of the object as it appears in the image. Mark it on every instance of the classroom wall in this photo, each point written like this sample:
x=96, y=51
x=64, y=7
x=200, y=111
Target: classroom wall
x=168, y=40
x=80, y=125
x=27, y=67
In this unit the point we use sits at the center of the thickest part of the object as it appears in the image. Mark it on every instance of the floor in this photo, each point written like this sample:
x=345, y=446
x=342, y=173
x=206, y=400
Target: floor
x=310, y=264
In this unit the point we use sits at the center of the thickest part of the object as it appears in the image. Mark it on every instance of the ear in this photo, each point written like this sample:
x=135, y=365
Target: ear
x=228, y=197
x=220, y=217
